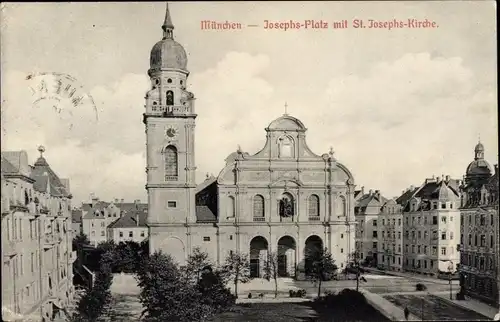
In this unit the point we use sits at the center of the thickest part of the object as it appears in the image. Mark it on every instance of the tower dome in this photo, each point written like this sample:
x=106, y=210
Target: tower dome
x=479, y=167
x=168, y=53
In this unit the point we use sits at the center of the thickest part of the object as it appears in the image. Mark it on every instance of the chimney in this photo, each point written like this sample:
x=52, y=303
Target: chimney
x=438, y=179
x=377, y=193
x=116, y=200
x=370, y=192
x=123, y=201
x=94, y=199
x=447, y=178
x=362, y=190
x=137, y=201
x=412, y=187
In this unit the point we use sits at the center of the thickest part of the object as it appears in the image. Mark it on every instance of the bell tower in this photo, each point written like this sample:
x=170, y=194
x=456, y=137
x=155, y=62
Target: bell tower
x=170, y=121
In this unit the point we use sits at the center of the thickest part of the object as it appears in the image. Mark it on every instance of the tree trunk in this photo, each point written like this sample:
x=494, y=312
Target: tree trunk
x=319, y=288
x=236, y=287
x=275, y=286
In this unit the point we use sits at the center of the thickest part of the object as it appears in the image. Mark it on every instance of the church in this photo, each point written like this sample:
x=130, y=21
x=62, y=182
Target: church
x=283, y=199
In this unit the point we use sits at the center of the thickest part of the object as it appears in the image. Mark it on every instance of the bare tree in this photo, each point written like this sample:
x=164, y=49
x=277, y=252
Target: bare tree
x=271, y=270
x=236, y=269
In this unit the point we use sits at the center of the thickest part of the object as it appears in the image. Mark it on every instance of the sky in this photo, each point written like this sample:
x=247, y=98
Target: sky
x=397, y=106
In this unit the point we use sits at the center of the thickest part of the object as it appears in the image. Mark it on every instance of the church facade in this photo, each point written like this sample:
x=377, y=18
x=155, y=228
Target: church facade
x=283, y=199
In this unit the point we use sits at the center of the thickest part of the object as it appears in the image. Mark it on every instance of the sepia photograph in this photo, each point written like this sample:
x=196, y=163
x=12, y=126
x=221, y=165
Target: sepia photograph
x=249, y=161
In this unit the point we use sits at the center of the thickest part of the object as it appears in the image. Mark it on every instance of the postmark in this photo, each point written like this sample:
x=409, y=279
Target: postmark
x=59, y=92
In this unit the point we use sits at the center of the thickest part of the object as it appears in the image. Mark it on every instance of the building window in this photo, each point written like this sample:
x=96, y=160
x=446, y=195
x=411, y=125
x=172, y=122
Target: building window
x=383, y=222
x=313, y=206
x=374, y=245
x=121, y=233
x=170, y=157
x=399, y=235
x=231, y=207
x=491, y=241
x=130, y=234
x=399, y=221
x=483, y=240
x=143, y=233
x=451, y=235
x=443, y=206
x=206, y=239
x=230, y=237
x=374, y=222
x=341, y=236
x=470, y=239
x=258, y=206
x=341, y=250
x=374, y=234
x=169, y=81
x=443, y=236
x=172, y=204
x=434, y=220
x=93, y=233
x=443, y=219
x=103, y=233
x=170, y=98
x=443, y=250
x=103, y=224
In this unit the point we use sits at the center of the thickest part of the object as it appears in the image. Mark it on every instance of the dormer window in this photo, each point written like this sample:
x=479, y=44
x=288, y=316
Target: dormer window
x=285, y=145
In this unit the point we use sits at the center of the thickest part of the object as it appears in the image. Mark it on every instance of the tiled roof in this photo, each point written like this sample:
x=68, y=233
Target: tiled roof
x=204, y=214
x=405, y=197
x=7, y=167
x=42, y=172
x=208, y=181
x=130, y=220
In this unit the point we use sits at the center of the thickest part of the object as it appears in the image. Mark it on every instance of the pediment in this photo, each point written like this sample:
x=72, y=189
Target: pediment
x=287, y=181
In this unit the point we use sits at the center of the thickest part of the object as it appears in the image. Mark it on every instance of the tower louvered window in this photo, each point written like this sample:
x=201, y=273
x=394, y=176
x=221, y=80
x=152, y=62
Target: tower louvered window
x=171, y=166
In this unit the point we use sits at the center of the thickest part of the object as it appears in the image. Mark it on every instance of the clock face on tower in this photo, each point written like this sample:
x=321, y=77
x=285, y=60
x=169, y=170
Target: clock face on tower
x=171, y=132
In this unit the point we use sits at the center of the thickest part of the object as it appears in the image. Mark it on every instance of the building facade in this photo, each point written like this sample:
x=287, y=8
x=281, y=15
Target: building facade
x=479, y=270
x=284, y=198
x=431, y=224
x=130, y=227
x=98, y=215
x=379, y=230
x=37, y=274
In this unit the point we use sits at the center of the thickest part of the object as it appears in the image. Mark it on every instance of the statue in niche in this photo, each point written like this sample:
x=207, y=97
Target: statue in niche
x=286, y=207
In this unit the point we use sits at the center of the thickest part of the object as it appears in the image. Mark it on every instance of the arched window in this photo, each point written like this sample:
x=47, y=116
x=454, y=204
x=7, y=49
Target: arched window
x=170, y=98
x=313, y=206
x=170, y=155
x=285, y=145
x=258, y=206
x=26, y=198
x=231, y=207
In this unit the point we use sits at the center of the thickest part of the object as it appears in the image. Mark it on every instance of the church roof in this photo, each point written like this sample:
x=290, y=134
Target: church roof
x=47, y=180
x=205, y=215
x=286, y=123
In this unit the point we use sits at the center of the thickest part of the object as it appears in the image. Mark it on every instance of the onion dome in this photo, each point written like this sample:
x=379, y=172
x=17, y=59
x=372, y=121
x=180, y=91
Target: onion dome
x=167, y=53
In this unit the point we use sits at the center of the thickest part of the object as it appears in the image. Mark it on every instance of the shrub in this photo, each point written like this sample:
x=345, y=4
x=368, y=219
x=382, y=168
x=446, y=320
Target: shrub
x=420, y=287
x=297, y=293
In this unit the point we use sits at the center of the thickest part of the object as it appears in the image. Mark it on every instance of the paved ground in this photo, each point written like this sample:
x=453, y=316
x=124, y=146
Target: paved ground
x=433, y=308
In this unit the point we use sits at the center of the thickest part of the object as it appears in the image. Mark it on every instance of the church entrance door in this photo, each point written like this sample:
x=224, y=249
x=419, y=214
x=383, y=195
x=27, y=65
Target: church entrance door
x=286, y=257
x=258, y=256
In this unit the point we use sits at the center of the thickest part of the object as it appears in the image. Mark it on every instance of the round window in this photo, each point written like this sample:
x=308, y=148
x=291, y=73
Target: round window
x=169, y=81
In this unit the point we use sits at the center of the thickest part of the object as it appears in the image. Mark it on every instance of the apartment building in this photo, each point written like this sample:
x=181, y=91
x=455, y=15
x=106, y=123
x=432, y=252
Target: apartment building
x=378, y=230
x=37, y=273
x=431, y=224
x=130, y=227
x=98, y=215
x=479, y=226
